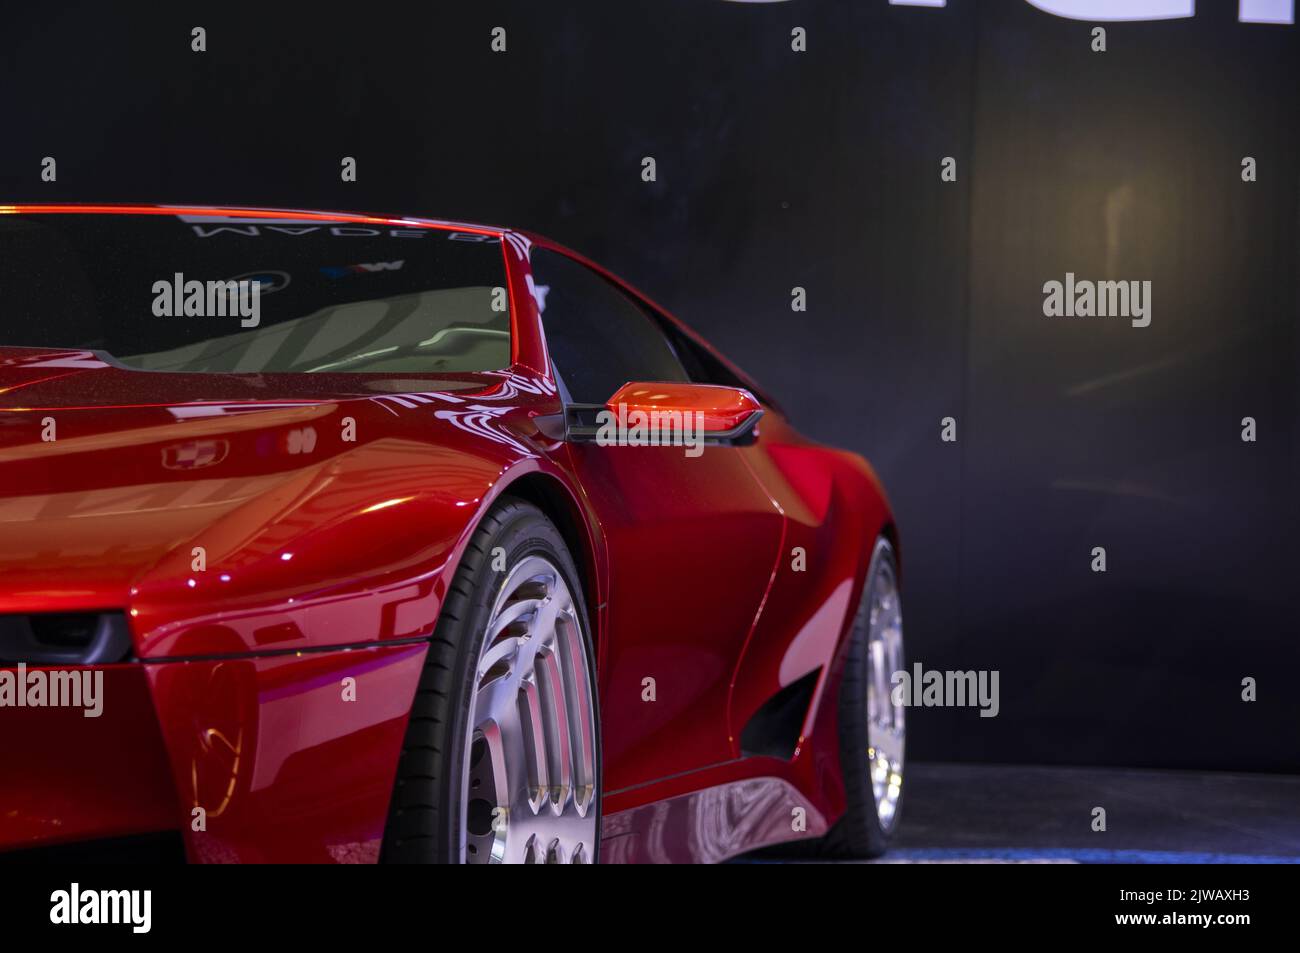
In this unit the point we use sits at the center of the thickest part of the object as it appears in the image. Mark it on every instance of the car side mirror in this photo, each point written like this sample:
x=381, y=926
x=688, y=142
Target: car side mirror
x=667, y=413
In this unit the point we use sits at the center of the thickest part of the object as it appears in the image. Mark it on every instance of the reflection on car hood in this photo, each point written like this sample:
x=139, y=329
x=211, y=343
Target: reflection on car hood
x=107, y=487
x=48, y=378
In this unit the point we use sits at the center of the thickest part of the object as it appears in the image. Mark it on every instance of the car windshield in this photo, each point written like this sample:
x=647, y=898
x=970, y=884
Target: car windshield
x=212, y=293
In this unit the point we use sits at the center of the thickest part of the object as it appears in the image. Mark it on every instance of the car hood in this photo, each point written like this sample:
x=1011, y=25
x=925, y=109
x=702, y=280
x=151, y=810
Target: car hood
x=318, y=512
x=44, y=377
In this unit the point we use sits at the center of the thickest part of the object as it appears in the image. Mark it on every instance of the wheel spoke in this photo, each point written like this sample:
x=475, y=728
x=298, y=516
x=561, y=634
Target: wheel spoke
x=511, y=613
x=494, y=702
x=550, y=683
x=885, y=717
x=533, y=716
x=580, y=715
x=534, y=743
x=498, y=656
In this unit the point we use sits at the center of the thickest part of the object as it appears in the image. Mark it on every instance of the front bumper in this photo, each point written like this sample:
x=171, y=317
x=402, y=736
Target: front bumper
x=276, y=757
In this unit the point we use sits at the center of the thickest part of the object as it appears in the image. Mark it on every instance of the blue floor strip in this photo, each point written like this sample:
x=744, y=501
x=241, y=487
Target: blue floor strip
x=1087, y=855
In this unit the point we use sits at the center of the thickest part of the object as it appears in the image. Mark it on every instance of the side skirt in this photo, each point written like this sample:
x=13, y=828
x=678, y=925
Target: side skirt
x=711, y=824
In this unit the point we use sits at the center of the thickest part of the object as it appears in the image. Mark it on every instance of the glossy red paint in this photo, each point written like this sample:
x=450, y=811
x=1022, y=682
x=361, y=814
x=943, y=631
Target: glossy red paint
x=56, y=757
x=285, y=770
x=326, y=569
x=719, y=408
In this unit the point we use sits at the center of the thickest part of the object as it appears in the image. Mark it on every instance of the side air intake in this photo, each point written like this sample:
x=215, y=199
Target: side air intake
x=64, y=638
x=774, y=729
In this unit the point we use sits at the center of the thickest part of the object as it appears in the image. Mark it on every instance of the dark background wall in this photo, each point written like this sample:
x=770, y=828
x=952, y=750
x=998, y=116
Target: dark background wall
x=821, y=169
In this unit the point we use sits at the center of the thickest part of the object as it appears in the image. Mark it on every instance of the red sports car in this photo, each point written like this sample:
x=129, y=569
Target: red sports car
x=332, y=537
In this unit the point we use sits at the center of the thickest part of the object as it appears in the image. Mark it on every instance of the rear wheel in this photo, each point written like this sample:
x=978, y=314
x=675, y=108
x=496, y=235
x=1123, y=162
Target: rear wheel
x=502, y=756
x=872, y=730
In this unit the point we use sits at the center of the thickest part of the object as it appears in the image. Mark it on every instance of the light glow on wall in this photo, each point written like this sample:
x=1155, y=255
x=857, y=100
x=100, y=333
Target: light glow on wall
x=1115, y=10
x=1266, y=11
x=1248, y=11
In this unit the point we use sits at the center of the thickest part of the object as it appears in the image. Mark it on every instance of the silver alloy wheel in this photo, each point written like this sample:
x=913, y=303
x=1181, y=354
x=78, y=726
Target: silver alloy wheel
x=530, y=786
x=885, y=728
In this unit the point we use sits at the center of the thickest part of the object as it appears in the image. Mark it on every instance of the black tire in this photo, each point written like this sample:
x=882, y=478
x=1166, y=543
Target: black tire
x=425, y=812
x=858, y=834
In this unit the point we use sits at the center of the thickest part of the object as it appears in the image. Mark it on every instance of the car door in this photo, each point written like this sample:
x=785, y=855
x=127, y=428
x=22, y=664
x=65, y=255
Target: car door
x=692, y=540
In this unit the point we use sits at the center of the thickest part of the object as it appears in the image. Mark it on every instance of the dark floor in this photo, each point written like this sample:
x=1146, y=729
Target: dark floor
x=1010, y=813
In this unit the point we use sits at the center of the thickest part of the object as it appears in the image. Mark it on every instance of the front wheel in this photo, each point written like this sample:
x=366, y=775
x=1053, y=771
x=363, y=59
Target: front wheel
x=872, y=730
x=502, y=756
